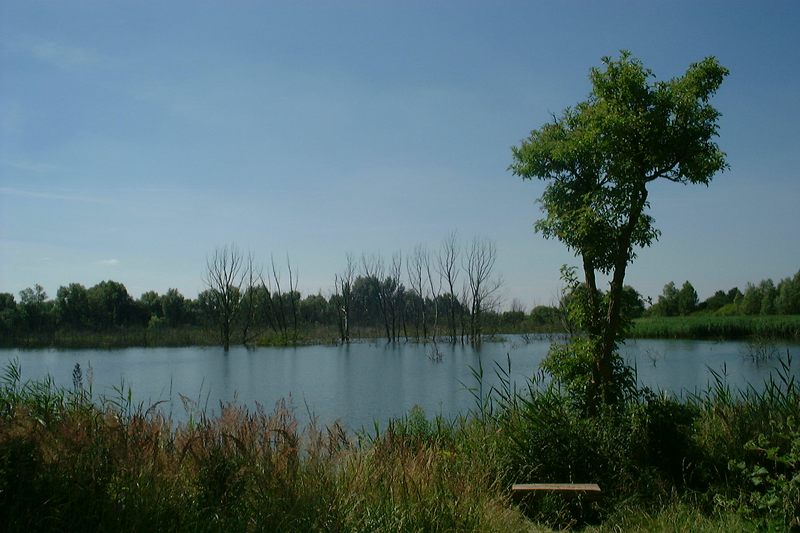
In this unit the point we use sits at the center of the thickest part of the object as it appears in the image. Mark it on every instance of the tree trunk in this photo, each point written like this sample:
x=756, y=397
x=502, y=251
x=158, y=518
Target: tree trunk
x=592, y=326
x=226, y=335
x=608, y=341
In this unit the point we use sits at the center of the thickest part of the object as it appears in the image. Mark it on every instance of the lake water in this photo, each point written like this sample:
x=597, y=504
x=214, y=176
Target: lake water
x=366, y=382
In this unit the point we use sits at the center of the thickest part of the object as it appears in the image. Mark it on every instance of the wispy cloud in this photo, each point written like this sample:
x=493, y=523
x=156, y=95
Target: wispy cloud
x=109, y=262
x=32, y=166
x=58, y=54
x=68, y=196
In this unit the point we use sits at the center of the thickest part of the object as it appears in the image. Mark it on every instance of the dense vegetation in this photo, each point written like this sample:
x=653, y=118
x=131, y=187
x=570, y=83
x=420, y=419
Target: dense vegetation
x=715, y=462
x=715, y=327
x=763, y=310
x=764, y=298
x=451, y=294
x=106, y=315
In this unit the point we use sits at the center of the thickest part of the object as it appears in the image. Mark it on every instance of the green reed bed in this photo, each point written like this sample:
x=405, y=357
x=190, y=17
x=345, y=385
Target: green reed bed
x=130, y=336
x=723, y=460
x=121, y=337
x=717, y=327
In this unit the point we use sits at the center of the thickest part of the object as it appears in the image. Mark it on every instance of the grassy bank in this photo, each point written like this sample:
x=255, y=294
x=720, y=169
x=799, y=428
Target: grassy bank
x=126, y=337
x=717, y=462
x=718, y=327
x=122, y=337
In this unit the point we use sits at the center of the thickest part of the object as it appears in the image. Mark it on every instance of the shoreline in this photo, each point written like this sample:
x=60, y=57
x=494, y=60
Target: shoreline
x=697, y=327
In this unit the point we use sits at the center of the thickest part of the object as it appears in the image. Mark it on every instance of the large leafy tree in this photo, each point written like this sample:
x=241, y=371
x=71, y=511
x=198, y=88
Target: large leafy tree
x=72, y=305
x=599, y=158
x=8, y=313
x=687, y=299
x=34, y=308
x=787, y=301
x=173, y=307
x=667, y=304
x=110, y=305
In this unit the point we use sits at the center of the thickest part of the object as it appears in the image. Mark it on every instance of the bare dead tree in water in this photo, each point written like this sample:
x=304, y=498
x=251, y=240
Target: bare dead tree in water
x=415, y=267
x=464, y=317
x=374, y=270
x=274, y=296
x=344, y=295
x=224, y=275
x=250, y=299
x=447, y=266
x=269, y=304
x=394, y=294
x=279, y=303
x=294, y=296
x=479, y=264
x=435, y=290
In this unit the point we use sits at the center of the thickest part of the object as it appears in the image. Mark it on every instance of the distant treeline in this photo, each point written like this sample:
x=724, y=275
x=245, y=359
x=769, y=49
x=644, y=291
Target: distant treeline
x=362, y=305
x=108, y=307
x=450, y=294
x=765, y=298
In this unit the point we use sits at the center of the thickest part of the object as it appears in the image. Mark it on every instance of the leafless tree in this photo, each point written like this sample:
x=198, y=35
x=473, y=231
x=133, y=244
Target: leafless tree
x=250, y=305
x=224, y=276
x=343, y=291
x=479, y=264
x=283, y=309
x=464, y=315
x=373, y=269
x=435, y=289
x=447, y=265
x=394, y=294
x=415, y=267
x=294, y=296
x=276, y=313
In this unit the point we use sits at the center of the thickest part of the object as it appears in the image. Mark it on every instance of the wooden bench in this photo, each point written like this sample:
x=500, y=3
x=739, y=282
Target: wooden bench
x=590, y=490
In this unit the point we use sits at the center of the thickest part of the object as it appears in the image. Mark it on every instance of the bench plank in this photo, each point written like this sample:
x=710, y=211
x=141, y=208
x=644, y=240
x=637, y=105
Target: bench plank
x=593, y=488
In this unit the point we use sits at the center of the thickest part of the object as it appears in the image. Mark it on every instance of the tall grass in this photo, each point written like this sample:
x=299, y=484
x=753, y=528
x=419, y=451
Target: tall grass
x=725, y=451
x=129, y=336
x=121, y=337
x=70, y=463
x=717, y=327
x=722, y=460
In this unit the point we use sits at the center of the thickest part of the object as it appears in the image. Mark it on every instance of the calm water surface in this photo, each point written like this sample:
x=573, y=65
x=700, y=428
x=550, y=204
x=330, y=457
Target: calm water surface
x=368, y=381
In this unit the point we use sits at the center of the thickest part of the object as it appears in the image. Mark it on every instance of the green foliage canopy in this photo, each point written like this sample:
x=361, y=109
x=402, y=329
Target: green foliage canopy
x=598, y=158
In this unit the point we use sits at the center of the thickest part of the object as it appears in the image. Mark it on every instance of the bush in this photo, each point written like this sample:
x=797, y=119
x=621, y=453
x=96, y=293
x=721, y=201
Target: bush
x=772, y=466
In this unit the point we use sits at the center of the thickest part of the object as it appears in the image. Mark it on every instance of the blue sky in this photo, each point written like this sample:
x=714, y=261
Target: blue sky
x=137, y=136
